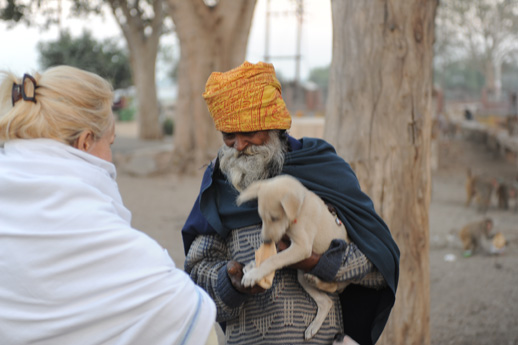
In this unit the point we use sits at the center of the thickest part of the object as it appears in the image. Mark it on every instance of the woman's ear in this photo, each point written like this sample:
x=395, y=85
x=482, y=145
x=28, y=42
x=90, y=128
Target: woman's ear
x=84, y=141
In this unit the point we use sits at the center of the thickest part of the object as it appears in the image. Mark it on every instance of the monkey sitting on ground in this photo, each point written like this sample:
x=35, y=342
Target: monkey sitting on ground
x=480, y=188
x=512, y=194
x=507, y=193
x=476, y=235
x=502, y=192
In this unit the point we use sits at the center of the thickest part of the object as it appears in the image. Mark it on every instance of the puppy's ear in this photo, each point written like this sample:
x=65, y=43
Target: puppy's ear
x=249, y=193
x=292, y=202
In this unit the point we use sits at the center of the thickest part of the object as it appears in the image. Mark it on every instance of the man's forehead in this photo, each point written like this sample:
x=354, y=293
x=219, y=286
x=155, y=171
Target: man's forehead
x=243, y=133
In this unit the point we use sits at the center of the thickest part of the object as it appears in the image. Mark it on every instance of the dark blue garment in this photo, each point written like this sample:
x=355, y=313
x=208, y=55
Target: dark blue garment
x=315, y=163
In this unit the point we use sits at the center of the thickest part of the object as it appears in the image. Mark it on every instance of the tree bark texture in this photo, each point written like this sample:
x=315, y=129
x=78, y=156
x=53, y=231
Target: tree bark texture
x=143, y=40
x=211, y=39
x=379, y=120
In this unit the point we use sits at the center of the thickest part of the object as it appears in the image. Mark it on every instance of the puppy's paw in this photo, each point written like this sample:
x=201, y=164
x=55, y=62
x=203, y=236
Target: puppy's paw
x=310, y=332
x=251, y=277
x=312, y=279
x=249, y=267
x=320, y=284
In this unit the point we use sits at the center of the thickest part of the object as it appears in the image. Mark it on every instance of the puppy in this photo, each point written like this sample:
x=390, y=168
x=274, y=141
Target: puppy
x=287, y=207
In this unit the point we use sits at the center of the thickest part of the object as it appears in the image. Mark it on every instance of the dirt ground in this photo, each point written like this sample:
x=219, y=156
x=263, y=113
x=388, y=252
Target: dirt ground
x=472, y=300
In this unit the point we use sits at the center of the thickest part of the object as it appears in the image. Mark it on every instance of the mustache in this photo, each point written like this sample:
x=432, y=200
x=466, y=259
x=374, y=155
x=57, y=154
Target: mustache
x=248, y=151
x=255, y=162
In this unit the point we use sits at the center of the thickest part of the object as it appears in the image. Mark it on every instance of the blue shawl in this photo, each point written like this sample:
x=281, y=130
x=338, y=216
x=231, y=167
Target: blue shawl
x=315, y=163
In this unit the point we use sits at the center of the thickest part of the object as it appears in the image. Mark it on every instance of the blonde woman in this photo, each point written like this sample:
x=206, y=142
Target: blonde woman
x=72, y=269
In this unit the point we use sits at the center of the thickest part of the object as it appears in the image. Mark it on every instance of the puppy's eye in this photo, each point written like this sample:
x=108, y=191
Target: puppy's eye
x=274, y=219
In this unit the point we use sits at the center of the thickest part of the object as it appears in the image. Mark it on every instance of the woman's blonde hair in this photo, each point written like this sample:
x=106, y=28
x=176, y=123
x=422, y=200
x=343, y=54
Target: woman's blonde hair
x=67, y=101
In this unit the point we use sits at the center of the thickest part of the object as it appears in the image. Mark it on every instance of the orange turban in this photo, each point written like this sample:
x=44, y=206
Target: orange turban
x=246, y=99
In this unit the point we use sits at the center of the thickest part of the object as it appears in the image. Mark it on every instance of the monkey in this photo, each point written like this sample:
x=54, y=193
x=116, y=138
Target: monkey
x=507, y=193
x=474, y=236
x=480, y=188
x=512, y=189
x=513, y=194
x=470, y=186
x=502, y=192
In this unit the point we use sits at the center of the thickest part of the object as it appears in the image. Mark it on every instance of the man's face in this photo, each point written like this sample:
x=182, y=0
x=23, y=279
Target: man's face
x=241, y=140
x=250, y=156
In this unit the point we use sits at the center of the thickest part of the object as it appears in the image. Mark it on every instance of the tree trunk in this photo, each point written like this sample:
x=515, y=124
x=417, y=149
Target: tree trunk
x=143, y=62
x=379, y=120
x=211, y=39
x=143, y=39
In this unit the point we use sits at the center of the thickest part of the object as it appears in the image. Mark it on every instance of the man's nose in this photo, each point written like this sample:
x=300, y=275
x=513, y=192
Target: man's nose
x=240, y=143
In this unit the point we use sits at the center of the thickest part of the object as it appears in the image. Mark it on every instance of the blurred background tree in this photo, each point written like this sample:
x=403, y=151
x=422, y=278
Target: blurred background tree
x=142, y=24
x=320, y=76
x=475, y=38
x=378, y=117
x=213, y=36
x=105, y=58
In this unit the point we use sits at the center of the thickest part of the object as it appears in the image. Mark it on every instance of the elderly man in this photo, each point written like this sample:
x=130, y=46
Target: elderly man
x=220, y=237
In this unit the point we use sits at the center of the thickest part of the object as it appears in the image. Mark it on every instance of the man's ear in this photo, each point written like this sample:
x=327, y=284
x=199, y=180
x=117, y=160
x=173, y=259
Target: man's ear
x=84, y=141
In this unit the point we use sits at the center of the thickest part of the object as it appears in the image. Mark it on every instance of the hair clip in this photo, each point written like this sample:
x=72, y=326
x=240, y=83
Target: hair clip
x=18, y=90
x=16, y=93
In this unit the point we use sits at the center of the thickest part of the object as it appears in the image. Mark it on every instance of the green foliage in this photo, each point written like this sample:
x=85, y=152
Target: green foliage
x=168, y=126
x=41, y=14
x=320, y=76
x=126, y=114
x=105, y=58
x=476, y=34
x=166, y=61
x=12, y=11
x=462, y=76
x=510, y=77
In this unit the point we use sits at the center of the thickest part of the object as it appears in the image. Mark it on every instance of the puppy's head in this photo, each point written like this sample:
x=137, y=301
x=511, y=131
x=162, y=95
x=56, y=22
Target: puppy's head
x=279, y=202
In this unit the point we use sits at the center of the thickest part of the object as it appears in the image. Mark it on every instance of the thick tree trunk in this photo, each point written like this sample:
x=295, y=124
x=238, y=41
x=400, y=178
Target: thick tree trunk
x=379, y=119
x=143, y=39
x=211, y=39
x=143, y=66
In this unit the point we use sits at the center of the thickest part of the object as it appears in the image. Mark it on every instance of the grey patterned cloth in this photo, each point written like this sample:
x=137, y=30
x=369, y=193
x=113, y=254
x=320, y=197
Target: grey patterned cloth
x=281, y=314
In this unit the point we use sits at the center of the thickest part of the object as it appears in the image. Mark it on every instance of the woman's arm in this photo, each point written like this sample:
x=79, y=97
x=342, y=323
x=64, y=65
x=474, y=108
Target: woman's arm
x=210, y=265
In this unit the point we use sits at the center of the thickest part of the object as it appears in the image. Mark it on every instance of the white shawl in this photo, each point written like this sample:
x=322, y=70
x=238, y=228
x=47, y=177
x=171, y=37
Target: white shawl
x=73, y=270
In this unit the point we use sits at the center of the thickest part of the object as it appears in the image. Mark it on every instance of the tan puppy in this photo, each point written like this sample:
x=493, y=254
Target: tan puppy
x=287, y=207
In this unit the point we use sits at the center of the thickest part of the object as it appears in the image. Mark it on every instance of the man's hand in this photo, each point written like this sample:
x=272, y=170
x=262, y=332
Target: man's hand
x=235, y=272
x=305, y=265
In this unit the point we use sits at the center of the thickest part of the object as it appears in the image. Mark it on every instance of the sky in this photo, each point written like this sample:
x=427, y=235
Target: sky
x=19, y=53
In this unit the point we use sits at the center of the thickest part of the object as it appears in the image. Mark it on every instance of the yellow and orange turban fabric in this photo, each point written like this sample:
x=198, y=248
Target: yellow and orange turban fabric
x=246, y=99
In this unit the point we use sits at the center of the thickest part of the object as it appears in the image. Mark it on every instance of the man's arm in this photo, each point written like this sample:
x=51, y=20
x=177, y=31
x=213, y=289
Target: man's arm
x=341, y=262
x=210, y=266
x=346, y=262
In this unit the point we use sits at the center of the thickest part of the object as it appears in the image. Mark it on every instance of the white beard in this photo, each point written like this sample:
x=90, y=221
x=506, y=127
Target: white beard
x=256, y=162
